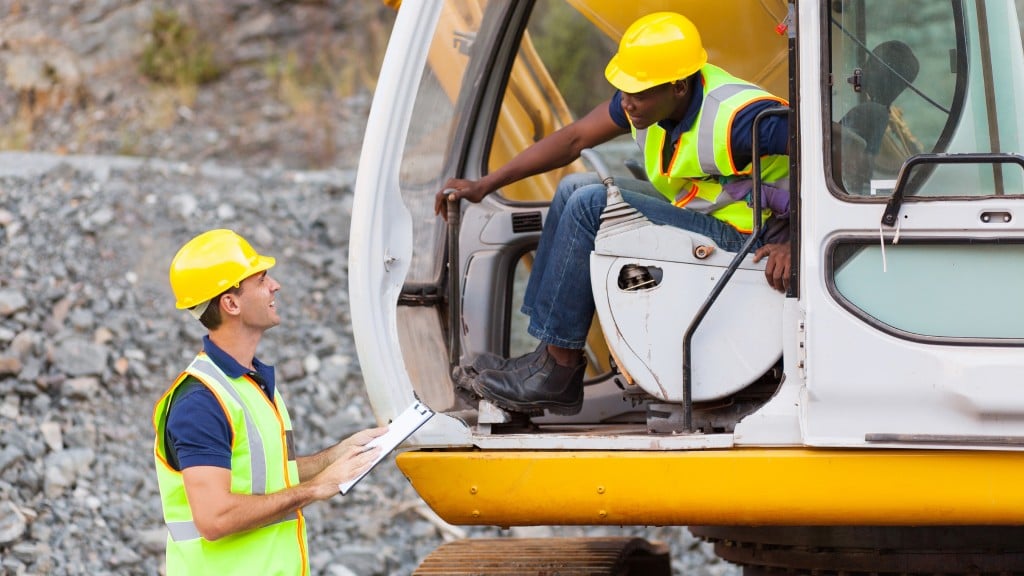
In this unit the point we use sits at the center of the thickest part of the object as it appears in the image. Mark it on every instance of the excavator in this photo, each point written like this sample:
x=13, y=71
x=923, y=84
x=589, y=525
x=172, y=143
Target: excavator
x=869, y=420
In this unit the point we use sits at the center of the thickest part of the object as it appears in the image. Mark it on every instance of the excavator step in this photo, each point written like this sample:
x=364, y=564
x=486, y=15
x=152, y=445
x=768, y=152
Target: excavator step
x=613, y=556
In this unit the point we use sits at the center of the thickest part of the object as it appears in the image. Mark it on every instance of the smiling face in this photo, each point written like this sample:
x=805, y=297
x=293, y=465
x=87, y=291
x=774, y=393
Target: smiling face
x=257, y=302
x=656, y=104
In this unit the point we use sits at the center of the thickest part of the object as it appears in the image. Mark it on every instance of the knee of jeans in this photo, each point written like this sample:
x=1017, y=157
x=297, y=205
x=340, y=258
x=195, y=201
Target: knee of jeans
x=573, y=182
x=588, y=202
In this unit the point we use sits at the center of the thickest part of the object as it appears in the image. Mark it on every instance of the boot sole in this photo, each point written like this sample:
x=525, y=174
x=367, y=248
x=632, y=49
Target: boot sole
x=529, y=408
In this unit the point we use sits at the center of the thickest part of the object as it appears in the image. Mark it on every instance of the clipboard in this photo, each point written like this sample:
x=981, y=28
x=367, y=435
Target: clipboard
x=402, y=427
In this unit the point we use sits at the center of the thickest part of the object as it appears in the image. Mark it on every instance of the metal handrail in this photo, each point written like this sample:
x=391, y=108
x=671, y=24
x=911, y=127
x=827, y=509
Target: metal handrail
x=454, y=213
x=729, y=271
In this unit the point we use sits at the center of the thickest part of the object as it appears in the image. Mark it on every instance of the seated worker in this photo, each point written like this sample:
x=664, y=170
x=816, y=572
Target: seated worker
x=692, y=121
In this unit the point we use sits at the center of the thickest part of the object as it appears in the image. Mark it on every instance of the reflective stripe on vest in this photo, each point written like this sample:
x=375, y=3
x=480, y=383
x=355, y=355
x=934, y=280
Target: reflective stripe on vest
x=186, y=530
x=261, y=462
x=702, y=163
x=257, y=458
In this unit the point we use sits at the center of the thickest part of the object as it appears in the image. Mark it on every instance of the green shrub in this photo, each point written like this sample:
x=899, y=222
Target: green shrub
x=175, y=54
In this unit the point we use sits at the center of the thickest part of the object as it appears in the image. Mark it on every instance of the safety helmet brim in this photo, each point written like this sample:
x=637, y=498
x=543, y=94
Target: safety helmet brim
x=630, y=84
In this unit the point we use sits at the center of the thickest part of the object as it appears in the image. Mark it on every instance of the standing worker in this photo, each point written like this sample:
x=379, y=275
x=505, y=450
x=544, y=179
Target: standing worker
x=693, y=123
x=231, y=485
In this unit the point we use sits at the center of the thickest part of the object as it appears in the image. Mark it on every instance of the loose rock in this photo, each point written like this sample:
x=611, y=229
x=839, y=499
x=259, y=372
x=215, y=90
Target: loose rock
x=12, y=523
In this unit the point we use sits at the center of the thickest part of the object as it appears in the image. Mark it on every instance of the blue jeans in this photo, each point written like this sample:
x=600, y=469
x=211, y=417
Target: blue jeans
x=558, y=298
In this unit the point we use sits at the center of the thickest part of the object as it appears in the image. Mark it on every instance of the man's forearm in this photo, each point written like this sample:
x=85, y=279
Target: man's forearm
x=246, y=512
x=219, y=513
x=555, y=151
x=310, y=466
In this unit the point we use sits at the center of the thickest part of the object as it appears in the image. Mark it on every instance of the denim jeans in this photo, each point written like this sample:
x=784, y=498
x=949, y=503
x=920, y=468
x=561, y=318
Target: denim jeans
x=558, y=297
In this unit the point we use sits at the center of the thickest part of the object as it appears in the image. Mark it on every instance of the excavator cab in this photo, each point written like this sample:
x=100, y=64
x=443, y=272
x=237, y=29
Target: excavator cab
x=872, y=407
x=539, y=83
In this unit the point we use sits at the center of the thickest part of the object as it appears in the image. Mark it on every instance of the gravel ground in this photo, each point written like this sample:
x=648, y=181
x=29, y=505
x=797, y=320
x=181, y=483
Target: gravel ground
x=89, y=339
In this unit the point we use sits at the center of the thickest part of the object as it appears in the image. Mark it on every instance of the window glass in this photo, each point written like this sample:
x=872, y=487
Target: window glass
x=1019, y=6
x=892, y=86
x=433, y=118
x=909, y=287
x=557, y=77
x=924, y=76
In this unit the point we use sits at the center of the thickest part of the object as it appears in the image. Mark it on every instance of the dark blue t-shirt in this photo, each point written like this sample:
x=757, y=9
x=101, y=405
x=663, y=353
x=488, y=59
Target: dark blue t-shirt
x=197, y=431
x=774, y=129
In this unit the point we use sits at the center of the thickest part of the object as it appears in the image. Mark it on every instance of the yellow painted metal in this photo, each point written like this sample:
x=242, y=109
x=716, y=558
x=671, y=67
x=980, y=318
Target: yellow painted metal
x=721, y=487
x=532, y=108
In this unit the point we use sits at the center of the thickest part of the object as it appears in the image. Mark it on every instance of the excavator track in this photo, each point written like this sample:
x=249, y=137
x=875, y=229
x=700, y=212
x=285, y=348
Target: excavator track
x=549, y=557
x=874, y=551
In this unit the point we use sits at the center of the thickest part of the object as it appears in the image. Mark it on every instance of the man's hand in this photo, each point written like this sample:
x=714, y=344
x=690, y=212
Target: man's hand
x=357, y=440
x=471, y=190
x=362, y=437
x=354, y=460
x=311, y=466
x=777, y=269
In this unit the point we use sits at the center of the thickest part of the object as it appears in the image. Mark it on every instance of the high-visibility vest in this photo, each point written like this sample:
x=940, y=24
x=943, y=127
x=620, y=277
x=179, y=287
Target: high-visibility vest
x=262, y=462
x=703, y=162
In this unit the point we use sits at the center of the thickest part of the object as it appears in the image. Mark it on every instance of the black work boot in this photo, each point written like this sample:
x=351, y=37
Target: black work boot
x=536, y=386
x=490, y=361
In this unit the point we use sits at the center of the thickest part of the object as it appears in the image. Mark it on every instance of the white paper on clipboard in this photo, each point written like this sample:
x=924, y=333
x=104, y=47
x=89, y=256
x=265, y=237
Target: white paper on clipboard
x=400, y=428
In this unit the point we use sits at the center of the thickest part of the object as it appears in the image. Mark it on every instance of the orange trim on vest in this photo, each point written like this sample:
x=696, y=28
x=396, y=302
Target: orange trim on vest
x=728, y=147
x=738, y=229
x=302, y=542
x=694, y=189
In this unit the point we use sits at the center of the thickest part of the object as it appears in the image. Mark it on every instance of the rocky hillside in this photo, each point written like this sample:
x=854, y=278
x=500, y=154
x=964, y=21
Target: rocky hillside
x=268, y=83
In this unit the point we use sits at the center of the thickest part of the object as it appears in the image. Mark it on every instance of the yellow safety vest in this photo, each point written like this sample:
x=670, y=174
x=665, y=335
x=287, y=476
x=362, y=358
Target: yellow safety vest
x=261, y=463
x=703, y=160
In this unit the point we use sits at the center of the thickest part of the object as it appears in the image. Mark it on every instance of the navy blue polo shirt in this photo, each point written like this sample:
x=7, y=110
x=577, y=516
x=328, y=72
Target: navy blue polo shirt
x=197, y=431
x=774, y=129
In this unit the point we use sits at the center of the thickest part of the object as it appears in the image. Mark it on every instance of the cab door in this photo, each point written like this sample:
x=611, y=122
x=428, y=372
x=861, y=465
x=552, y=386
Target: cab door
x=914, y=237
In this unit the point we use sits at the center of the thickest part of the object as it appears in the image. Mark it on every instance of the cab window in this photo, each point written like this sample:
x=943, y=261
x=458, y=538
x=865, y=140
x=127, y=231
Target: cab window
x=925, y=77
x=894, y=87
x=557, y=77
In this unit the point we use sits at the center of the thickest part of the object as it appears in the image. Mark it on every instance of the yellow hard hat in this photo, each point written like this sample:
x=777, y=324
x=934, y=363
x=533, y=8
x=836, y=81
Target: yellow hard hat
x=210, y=263
x=656, y=49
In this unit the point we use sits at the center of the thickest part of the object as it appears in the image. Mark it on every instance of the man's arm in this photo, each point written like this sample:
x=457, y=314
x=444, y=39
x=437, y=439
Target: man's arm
x=553, y=151
x=218, y=512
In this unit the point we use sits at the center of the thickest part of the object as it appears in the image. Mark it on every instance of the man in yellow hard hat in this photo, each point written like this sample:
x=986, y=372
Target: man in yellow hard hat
x=231, y=485
x=693, y=124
